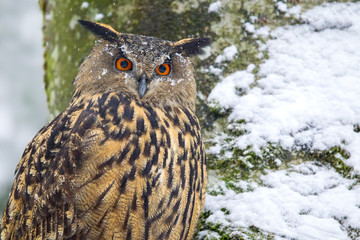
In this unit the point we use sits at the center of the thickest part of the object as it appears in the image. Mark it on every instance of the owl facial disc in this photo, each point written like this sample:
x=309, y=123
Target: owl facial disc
x=142, y=85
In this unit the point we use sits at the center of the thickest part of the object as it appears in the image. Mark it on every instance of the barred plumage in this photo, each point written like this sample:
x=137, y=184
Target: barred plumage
x=115, y=164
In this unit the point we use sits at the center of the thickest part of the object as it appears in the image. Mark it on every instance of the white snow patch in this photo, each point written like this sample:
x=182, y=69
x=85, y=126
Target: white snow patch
x=282, y=7
x=48, y=16
x=309, y=87
x=73, y=22
x=84, y=5
x=262, y=32
x=250, y=67
x=228, y=54
x=226, y=93
x=300, y=204
x=206, y=52
x=99, y=16
x=249, y=27
x=327, y=16
x=253, y=19
x=214, y=7
x=294, y=11
x=214, y=70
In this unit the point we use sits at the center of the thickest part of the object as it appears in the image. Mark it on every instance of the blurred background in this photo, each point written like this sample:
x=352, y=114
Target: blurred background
x=23, y=109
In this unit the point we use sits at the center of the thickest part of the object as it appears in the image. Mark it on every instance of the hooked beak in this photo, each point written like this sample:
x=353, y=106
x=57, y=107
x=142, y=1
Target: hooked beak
x=142, y=85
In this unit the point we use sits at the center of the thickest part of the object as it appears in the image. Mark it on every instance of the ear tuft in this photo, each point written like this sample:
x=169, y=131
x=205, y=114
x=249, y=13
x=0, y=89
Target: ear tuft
x=101, y=30
x=191, y=46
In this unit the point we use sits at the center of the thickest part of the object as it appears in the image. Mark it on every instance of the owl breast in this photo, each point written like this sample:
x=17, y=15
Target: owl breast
x=140, y=170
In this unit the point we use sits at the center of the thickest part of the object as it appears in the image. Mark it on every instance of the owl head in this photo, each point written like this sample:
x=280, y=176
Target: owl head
x=139, y=67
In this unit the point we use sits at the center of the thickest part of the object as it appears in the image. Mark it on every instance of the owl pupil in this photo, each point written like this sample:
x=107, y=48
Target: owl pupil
x=162, y=69
x=124, y=64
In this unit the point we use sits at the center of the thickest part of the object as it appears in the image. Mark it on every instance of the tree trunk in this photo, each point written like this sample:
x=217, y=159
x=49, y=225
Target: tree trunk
x=66, y=43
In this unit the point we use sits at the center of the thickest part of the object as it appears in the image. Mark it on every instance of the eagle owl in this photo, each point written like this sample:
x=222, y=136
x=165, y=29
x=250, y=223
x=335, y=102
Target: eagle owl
x=125, y=160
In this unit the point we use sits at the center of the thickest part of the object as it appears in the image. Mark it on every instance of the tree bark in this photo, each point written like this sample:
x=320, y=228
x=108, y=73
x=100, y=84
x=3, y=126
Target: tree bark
x=66, y=43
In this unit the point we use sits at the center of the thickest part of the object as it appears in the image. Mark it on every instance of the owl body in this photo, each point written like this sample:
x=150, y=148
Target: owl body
x=120, y=162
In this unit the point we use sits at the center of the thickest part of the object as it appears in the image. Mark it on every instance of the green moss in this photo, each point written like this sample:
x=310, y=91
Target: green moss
x=334, y=157
x=217, y=231
x=168, y=22
x=353, y=233
x=357, y=128
x=210, y=114
x=225, y=211
x=234, y=164
x=66, y=44
x=245, y=164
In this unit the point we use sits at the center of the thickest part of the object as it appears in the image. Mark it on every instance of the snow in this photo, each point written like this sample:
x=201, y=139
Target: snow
x=299, y=203
x=281, y=6
x=306, y=95
x=249, y=27
x=84, y=5
x=325, y=17
x=253, y=19
x=294, y=11
x=309, y=87
x=226, y=93
x=213, y=70
x=99, y=16
x=228, y=54
x=214, y=7
x=262, y=32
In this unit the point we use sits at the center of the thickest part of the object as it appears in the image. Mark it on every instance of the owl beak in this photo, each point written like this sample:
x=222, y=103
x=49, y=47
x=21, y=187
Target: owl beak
x=142, y=85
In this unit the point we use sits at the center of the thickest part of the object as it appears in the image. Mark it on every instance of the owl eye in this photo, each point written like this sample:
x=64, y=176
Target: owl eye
x=123, y=64
x=163, y=69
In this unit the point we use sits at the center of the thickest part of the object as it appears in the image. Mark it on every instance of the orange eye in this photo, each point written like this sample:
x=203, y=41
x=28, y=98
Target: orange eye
x=163, y=69
x=123, y=64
